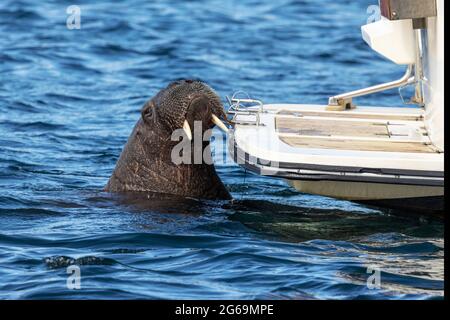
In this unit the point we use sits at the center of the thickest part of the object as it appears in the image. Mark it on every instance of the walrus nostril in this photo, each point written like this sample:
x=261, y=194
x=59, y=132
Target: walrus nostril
x=189, y=81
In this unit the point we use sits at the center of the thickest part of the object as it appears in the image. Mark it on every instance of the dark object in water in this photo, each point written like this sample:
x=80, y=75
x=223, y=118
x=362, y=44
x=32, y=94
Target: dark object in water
x=146, y=163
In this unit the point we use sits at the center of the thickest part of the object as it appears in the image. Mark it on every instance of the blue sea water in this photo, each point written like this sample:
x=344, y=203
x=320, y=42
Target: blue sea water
x=69, y=99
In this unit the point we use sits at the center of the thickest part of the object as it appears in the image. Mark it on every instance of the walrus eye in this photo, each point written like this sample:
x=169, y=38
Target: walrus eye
x=147, y=112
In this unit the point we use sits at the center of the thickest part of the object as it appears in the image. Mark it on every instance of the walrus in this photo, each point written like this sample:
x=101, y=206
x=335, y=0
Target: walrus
x=146, y=163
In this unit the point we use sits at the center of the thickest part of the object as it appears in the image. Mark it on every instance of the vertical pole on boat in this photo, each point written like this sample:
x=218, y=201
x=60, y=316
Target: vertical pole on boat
x=419, y=24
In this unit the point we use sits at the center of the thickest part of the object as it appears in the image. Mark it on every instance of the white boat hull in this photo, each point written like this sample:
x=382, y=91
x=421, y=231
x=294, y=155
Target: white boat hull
x=358, y=191
x=403, y=179
x=420, y=199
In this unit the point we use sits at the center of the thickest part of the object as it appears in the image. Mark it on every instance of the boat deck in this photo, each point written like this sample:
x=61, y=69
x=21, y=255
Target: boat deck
x=353, y=131
x=366, y=138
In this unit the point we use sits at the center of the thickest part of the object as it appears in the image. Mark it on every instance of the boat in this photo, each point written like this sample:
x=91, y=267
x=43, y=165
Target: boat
x=387, y=156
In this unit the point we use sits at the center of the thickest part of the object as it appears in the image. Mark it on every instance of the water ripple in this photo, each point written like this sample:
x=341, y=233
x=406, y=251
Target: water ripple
x=69, y=100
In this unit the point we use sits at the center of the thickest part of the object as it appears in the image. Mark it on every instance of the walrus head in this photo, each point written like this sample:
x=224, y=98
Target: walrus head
x=182, y=103
x=146, y=163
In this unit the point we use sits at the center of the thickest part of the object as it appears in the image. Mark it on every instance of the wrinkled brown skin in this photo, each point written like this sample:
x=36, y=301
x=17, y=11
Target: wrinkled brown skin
x=145, y=164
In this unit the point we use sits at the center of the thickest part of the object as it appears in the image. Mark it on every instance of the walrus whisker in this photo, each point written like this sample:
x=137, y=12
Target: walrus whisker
x=187, y=129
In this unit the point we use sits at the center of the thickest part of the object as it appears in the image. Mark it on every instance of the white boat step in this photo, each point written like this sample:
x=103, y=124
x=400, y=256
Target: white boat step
x=360, y=145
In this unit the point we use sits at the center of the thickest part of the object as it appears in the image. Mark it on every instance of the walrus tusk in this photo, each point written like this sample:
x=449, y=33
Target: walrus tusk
x=187, y=129
x=219, y=123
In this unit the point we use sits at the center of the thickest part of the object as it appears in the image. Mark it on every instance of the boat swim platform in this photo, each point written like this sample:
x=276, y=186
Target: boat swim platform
x=335, y=132
x=374, y=141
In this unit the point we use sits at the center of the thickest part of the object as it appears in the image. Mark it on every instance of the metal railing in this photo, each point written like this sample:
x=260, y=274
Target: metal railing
x=238, y=106
x=345, y=99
